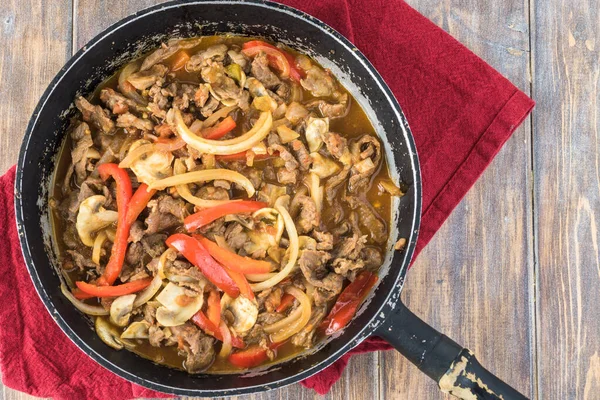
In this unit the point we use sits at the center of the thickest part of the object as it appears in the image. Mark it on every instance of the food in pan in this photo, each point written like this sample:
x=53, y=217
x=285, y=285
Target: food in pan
x=219, y=204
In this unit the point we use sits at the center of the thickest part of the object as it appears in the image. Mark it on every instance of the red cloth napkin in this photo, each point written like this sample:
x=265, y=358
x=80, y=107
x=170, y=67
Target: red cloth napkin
x=461, y=112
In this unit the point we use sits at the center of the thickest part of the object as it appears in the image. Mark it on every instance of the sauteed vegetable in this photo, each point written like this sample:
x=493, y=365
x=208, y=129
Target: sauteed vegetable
x=219, y=204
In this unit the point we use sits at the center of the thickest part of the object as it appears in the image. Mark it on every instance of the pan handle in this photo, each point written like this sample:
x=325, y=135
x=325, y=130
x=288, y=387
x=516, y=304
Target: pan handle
x=454, y=368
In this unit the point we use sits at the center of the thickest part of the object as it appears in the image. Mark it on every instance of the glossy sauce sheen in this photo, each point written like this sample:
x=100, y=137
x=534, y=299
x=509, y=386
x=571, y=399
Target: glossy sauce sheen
x=353, y=125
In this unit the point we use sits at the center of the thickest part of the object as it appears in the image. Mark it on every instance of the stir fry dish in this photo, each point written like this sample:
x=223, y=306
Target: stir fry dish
x=219, y=204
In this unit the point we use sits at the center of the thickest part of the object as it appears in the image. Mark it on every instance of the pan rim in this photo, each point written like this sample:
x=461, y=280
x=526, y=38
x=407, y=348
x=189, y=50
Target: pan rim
x=378, y=315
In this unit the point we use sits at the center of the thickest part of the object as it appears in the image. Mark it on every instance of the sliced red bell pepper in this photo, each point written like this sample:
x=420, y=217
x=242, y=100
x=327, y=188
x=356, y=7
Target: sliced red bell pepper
x=253, y=356
x=81, y=295
x=286, y=302
x=119, y=248
x=208, y=215
x=219, y=130
x=208, y=327
x=179, y=60
x=258, y=45
x=242, y=156
x=113, y=291
x=138, y=202
x=241, y=282
x=348, y=301
x=213, y=308
x=195, y=253
x=234, y=262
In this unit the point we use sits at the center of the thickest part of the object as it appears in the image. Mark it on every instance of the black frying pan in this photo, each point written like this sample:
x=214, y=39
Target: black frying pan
x=454, y=368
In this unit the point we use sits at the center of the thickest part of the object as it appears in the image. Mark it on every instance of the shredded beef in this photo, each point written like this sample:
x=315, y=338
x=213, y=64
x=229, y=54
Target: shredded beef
x=95, y=115
x=301, y=154
x=144, y=79
x=262, y=72
x=309, y=217
x=128, y=120
x=197, y=346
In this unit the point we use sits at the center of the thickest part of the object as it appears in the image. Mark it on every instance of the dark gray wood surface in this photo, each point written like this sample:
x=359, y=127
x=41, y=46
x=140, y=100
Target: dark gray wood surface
x=514, y=273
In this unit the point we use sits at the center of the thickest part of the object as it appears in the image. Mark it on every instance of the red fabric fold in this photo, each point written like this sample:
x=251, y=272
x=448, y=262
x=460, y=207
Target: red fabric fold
x=461, y=112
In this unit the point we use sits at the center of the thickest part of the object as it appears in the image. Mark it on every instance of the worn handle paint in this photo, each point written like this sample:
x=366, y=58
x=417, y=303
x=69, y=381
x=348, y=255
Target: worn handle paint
x=456, y=369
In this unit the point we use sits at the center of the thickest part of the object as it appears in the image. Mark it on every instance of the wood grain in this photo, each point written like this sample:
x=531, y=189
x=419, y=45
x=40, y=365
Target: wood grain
x=567, y=199
x=35, y=42
x=472, y=281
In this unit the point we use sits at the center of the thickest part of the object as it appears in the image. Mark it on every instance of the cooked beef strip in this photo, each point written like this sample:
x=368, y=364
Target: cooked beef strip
x=154, y=244
x=291, y=163
x=116, y=102
x=313, y=266
x=368, y=219
x=367, y=146
x=335, y=143
x=197, y=346
x=372, y=257
x=167, y=50
x=331, y=110
x=128, y=120
x=201, y=95
x=262, y=72
x=273, y=300
x=301, y=154
x=209, y=192
x=80, y=260
x=296, y=112
x=165, y=213
x=185, y=93
x=82, y=141
x=306, y=336
x=308, y=218
x=200, y=59
x=351, y=247
x=287, y=177
x=333, y=183
x=317, y=81
x=235, y=236
x=344, y=266
x=324, y=240
x=211, y=105
x=144, y=79
x=95, y=115
x=222, y=85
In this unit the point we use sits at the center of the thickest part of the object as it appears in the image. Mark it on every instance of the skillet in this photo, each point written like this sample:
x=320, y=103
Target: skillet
x=383, y=314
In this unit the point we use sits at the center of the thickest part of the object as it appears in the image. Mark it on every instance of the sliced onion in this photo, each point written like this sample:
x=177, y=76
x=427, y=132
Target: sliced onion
x=162, y=263
x=226, y=347
x=214, y=117
x=280, y=205
x=144, y=296
x=316, y=190
x=110, y=234
x=97, y=249
x=184, y=190
x=294, y=326
x=196, y=126
x=260, y=277
x=279, y=325
x=80, y=305
x=203, y=176
x=239, y=144
x=220, y=240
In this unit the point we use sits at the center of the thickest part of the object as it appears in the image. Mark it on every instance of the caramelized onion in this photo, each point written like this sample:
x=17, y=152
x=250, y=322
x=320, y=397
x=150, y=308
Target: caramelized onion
x=259, y=131
x=184, y=190
x=97, y=249
x=295, y=326
x=203, y=176
x=226, y=347
x=280, y=205
x=80, y=305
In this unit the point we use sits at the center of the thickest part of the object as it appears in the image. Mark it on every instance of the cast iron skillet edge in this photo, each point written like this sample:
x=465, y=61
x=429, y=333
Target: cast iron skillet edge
x=454, y=368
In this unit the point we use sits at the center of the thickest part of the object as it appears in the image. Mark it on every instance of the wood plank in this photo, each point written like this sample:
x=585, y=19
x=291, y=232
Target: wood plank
x=93, y=16
x=472, y=282
x=567, y=200
x=35, y=42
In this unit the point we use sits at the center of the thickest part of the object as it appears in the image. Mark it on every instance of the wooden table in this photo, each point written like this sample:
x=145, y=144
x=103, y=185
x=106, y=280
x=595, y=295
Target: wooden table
x=514, y=273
